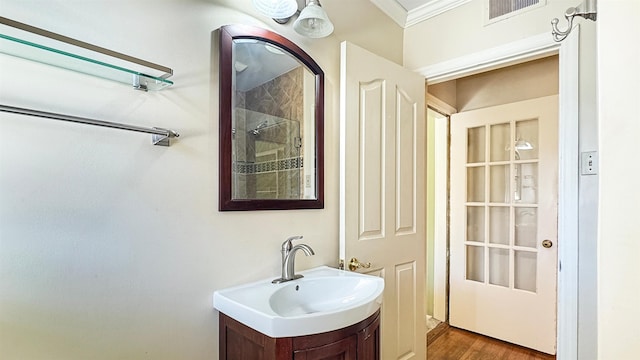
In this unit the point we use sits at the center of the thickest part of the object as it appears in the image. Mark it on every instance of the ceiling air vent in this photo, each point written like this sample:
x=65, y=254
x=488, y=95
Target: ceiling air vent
x=501, y=9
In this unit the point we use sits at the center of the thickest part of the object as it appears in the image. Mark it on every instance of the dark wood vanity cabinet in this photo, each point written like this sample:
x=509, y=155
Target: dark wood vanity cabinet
x=360, y=341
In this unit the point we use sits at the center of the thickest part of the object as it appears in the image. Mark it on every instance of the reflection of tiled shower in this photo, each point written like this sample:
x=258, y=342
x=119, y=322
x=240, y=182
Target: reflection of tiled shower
x=273, y=154
x=267, y=156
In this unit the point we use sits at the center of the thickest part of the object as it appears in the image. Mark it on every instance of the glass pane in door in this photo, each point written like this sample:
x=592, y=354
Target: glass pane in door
x=475, y=263
x=525, y=264
x=526, y=141
x=500, y=142
x=499, y=186
x=475, y=144
x=528, y=183
x=499, y=225
x=526, y=223
x=475, y=184
x=475, y=223
x=499, y=267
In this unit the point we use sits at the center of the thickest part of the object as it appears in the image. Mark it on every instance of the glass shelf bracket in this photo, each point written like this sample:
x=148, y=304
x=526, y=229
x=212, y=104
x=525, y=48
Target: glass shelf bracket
x=32, y=43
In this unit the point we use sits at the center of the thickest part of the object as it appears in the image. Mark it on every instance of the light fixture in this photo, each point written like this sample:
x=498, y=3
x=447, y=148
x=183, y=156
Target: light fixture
x=277, y=9
x=519, y=145
x=313, y=21
x=272, y=49
x=240, y=66
x=522, y=144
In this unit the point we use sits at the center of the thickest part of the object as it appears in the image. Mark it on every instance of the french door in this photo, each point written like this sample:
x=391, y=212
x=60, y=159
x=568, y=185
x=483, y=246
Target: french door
x=504, y=222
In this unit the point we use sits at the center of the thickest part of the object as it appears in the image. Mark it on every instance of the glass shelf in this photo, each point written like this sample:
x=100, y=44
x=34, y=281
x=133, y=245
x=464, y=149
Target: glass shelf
x=31, y=43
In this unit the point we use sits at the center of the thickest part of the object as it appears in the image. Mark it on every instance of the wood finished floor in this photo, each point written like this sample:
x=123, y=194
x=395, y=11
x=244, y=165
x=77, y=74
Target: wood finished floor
x=449, y=343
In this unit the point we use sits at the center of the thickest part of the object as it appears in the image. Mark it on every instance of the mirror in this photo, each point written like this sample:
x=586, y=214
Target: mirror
x=271, y=123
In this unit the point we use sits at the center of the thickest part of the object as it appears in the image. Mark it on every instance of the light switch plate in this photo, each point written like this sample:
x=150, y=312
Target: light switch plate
x=589, y=163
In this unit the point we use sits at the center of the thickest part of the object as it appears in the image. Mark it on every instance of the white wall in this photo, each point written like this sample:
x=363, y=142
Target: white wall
x=461, y=32
x=111, y=248
x=618, y=245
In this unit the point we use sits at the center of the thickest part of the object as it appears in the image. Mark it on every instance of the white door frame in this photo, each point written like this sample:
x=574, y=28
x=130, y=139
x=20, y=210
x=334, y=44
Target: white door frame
x=440, y=197
x=568, y=130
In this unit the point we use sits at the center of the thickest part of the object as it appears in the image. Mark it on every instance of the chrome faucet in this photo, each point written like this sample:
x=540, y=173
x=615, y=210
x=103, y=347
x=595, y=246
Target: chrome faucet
x=288, y=258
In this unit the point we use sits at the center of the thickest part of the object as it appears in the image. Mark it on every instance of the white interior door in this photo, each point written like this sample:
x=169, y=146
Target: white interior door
x=382, y=190
x=504, y=222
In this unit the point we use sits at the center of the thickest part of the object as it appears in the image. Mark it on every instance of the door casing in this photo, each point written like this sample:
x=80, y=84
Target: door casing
x=568, y=131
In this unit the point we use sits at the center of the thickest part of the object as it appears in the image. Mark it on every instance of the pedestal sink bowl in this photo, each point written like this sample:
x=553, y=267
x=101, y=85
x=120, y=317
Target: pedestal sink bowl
x=325, y=299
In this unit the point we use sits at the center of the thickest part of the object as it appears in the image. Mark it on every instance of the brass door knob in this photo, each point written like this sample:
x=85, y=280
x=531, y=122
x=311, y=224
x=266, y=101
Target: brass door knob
x=354, y=264
x=547, y=244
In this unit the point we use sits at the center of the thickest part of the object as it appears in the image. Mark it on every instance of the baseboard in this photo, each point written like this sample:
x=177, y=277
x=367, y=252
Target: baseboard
x=437, y=331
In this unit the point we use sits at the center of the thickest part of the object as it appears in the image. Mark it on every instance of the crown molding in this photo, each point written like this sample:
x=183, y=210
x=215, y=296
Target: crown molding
x=393, y=9
x=431, y=9
x=399, y=14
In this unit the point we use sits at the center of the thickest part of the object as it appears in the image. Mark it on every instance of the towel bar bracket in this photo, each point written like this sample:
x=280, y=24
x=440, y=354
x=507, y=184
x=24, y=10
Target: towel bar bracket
x=163, y=139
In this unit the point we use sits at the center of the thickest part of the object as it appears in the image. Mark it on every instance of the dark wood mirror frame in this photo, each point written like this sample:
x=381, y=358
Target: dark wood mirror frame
x=226, y=201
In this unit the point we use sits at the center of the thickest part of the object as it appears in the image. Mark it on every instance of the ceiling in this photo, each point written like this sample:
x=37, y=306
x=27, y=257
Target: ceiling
x=410, y=12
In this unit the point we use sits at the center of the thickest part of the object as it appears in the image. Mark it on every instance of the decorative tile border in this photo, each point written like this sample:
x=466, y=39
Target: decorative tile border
x=267, y=166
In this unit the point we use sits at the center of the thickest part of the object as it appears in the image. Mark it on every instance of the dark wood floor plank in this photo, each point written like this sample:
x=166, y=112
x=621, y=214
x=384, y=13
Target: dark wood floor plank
x=451, y=345
x=458, y=344
x=437, y=331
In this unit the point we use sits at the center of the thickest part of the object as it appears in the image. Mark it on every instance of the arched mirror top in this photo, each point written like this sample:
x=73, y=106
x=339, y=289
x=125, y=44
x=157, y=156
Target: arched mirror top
x=271, y=123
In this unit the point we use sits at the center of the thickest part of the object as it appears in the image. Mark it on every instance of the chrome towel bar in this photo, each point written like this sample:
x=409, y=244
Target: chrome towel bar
x=160, y=136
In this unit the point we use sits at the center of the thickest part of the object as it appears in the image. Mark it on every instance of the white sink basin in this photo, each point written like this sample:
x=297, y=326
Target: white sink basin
x=325, y=299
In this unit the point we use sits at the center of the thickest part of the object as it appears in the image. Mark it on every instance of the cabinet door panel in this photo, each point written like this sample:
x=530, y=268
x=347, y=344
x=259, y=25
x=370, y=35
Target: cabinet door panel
x=239, y=342
x=369, y=342
x=360, y=341
x=344, y=349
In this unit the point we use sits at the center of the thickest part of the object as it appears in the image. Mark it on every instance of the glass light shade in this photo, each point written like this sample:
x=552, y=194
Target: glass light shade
x=276, y=9
x=313, y=22
x=523, y=145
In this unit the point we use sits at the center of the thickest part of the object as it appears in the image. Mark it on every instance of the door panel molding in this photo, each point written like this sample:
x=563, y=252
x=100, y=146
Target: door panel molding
x=372, y=162
x=406, y=127
x=406, y=317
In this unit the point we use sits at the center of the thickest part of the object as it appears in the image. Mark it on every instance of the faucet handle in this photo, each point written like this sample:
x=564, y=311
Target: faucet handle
x=287, y=244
